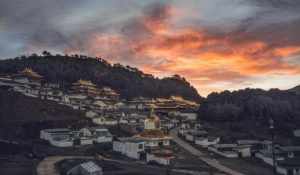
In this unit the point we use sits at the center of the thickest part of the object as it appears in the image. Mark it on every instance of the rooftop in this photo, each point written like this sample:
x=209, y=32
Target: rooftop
x=155, y=133
x=91, y=167
x=291, y=162
x=289, y=148
x=130, y=139
x=84, y=82
x=30, y=73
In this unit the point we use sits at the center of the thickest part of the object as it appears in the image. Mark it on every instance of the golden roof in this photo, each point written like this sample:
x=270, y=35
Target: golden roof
x=84, y=82
x=30, y=73
x=155, y=133
x=152, y=116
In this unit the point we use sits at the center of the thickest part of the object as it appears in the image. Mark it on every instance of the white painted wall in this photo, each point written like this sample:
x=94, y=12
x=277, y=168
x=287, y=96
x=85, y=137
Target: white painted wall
x=160, y=160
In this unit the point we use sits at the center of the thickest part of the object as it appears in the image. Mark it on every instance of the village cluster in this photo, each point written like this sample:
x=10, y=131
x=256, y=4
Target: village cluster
x=149, y=141
x=287, y=158
x=149, y=122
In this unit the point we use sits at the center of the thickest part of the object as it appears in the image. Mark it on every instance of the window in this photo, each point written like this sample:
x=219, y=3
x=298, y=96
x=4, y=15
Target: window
x=141, y=146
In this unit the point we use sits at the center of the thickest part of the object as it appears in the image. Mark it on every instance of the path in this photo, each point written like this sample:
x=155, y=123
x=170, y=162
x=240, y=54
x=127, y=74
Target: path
x=200, y=155
x=47, y=166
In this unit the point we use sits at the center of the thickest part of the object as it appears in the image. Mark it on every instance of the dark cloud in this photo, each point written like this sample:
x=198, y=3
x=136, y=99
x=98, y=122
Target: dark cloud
x=225, y=40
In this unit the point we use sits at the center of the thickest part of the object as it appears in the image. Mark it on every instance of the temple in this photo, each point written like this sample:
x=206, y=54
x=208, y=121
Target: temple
x=28, y=82
x=84, y=87
x=28, y=76
x=152, y=135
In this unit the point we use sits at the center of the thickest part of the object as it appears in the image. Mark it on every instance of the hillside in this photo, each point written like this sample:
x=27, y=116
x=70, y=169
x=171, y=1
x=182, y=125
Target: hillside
x=22, y=116
x=250, y=110
x=295, y=89
x=128, y=81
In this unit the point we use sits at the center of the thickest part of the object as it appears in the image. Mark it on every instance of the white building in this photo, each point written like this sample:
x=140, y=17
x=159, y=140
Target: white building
x=87, y=168
x=186, y=115
x=192, y=134
x=105, y=120
x=160, y=157
x=130, y=147
x=206, y=141
x=290, y=166
x=57, y=137
x=91, y=114
x=66, y=138
x=225, y=150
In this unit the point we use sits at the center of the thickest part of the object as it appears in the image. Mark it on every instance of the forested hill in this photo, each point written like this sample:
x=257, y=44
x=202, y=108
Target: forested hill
x=253, y=105
x=295, y=89
x=129, y=82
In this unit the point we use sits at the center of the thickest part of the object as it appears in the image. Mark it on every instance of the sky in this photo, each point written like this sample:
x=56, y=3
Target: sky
x=215, y=44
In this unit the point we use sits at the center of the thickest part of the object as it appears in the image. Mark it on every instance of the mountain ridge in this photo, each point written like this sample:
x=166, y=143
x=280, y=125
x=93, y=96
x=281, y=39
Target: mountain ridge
x=295, y=89
x=129, y=81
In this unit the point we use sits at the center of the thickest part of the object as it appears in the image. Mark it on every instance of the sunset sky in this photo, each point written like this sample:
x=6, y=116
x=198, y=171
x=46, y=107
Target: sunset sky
x=214, y=44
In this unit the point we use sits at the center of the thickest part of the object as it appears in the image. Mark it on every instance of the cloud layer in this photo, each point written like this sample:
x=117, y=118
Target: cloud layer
x=225, y=44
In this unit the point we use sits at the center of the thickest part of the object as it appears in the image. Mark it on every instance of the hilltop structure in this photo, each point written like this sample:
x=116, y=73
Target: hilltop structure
x=84, y=87
x=27, y=82
x=28, y=76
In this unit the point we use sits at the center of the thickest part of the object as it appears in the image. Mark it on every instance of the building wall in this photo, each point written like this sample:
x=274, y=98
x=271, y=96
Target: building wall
x=189, y=137
x=266, y=159
x=205, y=142
x=155, y=143
x=224, y=154
x=149, y=124
x=61, y=143
x=160, y=160
x=104, y=139
x=245, y=152
x=130, y=149
x=282, y=171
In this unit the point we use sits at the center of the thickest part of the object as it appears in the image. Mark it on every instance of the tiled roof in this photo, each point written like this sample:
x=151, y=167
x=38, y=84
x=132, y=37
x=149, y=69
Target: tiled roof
x=84, y=82
x=152, y=134
x=90, y=167
x=30, y=73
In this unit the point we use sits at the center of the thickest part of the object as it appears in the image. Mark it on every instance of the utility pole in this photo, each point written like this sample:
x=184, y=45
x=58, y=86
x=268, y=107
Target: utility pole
x=271, y=122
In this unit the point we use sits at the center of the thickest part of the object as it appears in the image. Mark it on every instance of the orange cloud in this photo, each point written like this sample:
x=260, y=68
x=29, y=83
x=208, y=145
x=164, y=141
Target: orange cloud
x=152, y=43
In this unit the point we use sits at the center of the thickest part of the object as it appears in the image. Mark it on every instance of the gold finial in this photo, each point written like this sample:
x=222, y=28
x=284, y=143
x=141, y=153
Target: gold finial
x=151, y=110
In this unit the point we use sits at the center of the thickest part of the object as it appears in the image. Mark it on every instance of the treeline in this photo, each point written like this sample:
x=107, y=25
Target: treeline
x=254, y=106
x=129, y=82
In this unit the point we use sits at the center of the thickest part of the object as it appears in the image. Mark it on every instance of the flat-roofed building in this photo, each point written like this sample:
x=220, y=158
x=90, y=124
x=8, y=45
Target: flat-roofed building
x=130, y=147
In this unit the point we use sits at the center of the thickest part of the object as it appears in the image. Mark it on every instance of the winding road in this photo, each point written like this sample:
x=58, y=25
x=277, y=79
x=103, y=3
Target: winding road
x=200, y=155
x=47, y=166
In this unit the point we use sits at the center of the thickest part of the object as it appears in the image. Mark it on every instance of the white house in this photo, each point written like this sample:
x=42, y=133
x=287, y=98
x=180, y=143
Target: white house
x=186, y=115
x=66, y=138
x=130, y=147
x=191, y=135
x=225, y=150
x=102, y=135
x=243, y=150
x=91, y=114
x=59, y=137
x=290, y=166
x=105, y=120
x=206, y=141
x=297, y=133
x=265, y=154
x=87, y=168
